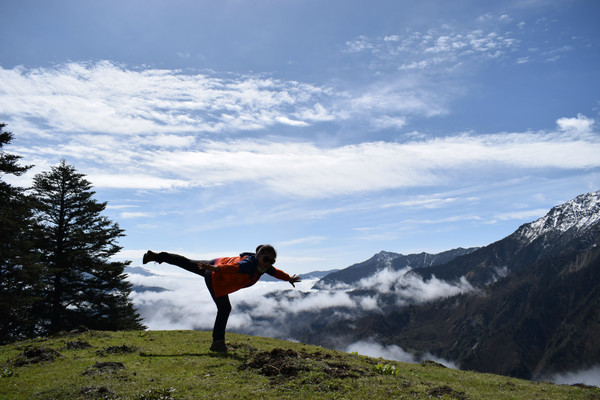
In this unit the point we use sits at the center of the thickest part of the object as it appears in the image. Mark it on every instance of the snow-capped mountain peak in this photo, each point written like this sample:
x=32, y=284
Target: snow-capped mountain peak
x=580, y=213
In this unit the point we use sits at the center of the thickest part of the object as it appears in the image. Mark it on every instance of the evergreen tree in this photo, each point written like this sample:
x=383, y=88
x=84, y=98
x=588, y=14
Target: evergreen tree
x=19, y=270
x=81, y=286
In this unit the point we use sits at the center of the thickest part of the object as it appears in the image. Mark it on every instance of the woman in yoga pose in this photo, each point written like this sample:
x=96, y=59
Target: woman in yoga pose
x=226, y=275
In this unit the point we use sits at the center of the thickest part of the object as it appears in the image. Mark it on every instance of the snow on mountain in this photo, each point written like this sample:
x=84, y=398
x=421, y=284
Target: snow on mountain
x=386, y=257
x=580, y=213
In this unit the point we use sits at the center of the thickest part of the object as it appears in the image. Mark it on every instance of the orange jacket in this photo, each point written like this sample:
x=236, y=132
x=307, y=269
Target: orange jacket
x=239, y=272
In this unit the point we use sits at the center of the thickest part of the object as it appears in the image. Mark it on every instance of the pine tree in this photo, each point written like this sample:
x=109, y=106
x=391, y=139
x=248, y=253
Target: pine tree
x=19, y=270
x=81, y=286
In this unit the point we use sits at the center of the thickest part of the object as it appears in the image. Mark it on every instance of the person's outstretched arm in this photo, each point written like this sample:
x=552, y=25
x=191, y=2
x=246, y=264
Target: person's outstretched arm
x=279, y=274
x=208, y=267
x=294, y=279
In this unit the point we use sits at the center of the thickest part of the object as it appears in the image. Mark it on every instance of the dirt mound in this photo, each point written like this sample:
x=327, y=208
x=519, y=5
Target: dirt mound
x=284, y=363
x=95, y=392
x=104, y=368
x=430, y=363
x=35, y=355
x=277, y=362
x=124, y=349
x=446, y=391
x=77, y=345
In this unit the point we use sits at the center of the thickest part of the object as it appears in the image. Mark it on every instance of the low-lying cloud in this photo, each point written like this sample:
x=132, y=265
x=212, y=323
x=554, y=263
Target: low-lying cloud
x=168, y=298
x=186, y=303
x=268, y=308
x=410, y=288
x=393, y=352
x=589, y=376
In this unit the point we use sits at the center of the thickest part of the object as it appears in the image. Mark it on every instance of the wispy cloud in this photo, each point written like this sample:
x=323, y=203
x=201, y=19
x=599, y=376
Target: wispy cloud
x=171, y=108
x=294, y=242
x=163, y=129
x=423, y=202
x=491, y=37
x=109, y=98
x=522, y=214
x=446, y=45
x=301, y=168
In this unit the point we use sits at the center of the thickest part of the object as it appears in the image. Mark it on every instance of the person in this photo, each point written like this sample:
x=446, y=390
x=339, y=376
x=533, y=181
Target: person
x=226, y=275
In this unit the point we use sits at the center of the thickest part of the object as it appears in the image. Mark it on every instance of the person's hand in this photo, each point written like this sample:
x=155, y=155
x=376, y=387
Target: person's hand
x=208, y=267
x=294, y=279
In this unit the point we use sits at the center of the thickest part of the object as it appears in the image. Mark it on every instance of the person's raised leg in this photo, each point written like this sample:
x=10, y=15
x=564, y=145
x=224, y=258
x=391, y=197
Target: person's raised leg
x=176, y=259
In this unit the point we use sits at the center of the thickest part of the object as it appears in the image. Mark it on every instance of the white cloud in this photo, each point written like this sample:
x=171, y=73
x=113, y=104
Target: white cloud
x=589, y=376
x=386, y=121
x=522, y=215
x=373, y=349
x=135, y=214
x=445, y=45
x=159, y=130
x=410, y=288
x=305, y=170
x=163, y=140
x=398, y=97
x=187, y=305
x=294, y=242
x=105, y=97
x=580, y=124
x=392, y=352
x=134, y=181
x=423, y=202
x=187, y=299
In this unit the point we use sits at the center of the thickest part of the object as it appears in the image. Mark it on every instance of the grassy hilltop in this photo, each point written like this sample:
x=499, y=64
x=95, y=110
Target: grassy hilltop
x=177, y=365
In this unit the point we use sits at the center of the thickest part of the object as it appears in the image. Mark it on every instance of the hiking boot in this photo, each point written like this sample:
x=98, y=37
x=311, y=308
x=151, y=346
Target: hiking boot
x=220, y=346
x=150, y=256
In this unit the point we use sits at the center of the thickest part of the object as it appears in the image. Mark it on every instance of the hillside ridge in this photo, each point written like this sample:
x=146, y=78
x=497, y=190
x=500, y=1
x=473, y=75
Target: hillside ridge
x=533, y=296
x=177, y=365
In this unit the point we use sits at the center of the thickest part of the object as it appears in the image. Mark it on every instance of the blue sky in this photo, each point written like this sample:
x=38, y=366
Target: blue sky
x=331, y=129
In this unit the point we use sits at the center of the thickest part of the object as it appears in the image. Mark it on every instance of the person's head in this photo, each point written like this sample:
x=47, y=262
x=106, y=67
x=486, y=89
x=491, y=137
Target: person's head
x=266, y=255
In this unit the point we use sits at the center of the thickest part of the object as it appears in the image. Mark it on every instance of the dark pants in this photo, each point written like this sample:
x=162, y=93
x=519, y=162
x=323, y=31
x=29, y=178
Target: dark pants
x=222, y=302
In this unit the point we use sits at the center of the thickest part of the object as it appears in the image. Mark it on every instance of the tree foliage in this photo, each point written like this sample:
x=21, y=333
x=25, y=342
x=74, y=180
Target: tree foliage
x=19, y=269
x=9, y=162
x=81, y=285
x=56, y=271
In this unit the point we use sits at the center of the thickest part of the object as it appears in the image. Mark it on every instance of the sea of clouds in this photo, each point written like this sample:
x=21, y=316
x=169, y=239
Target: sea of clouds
x=169, y=298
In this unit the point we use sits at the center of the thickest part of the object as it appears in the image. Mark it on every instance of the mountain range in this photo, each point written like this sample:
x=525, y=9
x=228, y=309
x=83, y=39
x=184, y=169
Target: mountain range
x=532, y=308
x=385, y=259
x=526, y=306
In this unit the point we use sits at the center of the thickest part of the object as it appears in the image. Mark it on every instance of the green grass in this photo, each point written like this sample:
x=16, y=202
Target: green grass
x=154, y=365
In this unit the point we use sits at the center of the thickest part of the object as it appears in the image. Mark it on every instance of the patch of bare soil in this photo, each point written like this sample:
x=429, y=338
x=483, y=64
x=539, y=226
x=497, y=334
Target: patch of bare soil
x=124, y=349
x=442, y=391
x=431, y=363
x=35, y=355
x=277, y=362
x=283, y=363
x=97, y=393
x=77, y=345
x=108, y=367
